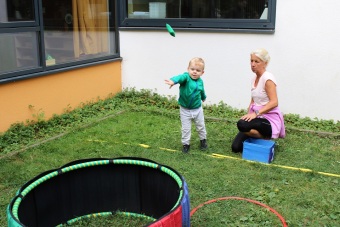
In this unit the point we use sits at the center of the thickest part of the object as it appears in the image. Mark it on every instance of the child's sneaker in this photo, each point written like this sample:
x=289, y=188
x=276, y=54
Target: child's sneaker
x=186, y=148
x=204, y=144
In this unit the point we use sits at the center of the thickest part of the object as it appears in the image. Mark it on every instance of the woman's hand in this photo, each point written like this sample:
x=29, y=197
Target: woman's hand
x=249, y=117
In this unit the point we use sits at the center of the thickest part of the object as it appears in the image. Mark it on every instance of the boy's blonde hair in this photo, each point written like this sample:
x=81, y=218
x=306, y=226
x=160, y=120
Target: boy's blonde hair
x=197, y=60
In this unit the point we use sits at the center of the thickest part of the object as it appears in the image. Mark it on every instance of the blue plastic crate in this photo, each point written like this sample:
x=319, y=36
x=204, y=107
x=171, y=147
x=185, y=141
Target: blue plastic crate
x=258, y=150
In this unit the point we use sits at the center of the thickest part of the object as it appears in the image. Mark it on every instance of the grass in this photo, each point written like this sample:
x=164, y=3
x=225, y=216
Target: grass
x=117, y=126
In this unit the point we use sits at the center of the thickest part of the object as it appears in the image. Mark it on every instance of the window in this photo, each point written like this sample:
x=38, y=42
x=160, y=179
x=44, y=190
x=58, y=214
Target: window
x=78, y=30
x=69, y=33
x=19, y=51
x=16, y=10
x=205, y=14
x=19, y=38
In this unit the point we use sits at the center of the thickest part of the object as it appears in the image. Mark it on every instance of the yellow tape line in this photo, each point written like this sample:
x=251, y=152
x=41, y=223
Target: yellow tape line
x=214, y=155
x=280, y=166
x=167, y=149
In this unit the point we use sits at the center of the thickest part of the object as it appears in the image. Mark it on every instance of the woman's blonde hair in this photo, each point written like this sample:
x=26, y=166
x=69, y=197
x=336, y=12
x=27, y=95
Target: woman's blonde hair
x=262, y=54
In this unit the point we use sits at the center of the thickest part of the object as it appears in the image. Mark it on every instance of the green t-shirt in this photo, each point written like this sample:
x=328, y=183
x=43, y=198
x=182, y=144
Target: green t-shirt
x=191, y=92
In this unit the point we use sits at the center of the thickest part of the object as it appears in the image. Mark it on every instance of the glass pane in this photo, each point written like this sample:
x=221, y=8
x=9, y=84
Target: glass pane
x=227, y=9
x=240, y=9
x=16, y=10
x=19, y=51
x=76, y=30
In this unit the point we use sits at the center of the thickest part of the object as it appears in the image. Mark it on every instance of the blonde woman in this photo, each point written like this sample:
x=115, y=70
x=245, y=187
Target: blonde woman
x=264, y=119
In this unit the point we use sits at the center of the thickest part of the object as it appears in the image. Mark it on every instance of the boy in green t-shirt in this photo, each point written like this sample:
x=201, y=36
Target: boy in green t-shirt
x=191, y=95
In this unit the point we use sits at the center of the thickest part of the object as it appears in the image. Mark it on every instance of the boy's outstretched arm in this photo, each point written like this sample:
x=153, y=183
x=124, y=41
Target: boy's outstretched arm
x=169, y=82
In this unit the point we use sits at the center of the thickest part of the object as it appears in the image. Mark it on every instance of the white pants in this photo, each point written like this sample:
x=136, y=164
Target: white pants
x=189, y=115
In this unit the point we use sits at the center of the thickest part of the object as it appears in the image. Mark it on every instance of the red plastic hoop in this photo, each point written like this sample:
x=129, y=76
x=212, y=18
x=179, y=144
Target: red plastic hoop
x=245, y=199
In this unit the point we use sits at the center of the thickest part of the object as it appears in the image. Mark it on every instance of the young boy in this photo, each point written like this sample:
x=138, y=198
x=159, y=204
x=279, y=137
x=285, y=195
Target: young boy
x=191, y=95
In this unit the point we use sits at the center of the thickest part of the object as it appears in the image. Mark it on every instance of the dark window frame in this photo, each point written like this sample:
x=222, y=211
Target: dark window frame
x=257, y=25
x=18, y=24
x=38, y=40
x=38, y=27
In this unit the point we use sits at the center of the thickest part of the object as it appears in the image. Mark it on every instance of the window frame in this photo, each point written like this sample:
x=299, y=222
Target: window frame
x=38, y=26
x=29, y=23
x=256, y=25
x=24, y=26
x=38, y=38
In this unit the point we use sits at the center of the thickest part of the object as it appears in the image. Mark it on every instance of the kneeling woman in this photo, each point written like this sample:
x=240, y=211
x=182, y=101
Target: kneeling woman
x=264, y=119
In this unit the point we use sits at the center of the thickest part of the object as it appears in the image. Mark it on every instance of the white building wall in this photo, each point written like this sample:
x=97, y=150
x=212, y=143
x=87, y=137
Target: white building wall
x=305, y=53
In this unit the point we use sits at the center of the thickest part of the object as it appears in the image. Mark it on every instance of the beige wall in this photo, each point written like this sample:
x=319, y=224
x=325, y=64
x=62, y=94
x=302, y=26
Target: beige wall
x=53, y=94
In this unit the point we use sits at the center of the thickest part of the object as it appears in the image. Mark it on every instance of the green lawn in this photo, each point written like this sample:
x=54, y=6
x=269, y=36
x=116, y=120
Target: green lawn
x=302, y=198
